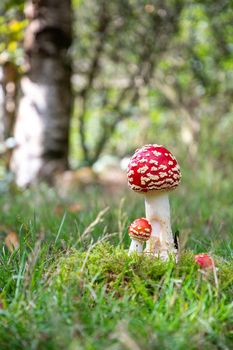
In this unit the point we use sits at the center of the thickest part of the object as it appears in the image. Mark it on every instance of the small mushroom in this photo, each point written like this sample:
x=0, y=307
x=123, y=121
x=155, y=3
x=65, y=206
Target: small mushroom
x=204, y=260
x=139, y=231
x=154, y=171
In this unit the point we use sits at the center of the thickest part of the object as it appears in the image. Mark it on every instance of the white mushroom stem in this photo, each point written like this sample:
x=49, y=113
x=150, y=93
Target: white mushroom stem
x=161, y=242
x=136, y=246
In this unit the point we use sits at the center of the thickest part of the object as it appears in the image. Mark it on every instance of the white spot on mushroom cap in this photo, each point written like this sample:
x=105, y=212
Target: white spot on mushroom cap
x=162, y=174
x=153, y=161
x=162, y=166
x=153, y=168
x=153, y=177
x=131, y=172
x=156, y=153
x=143, y=169
x=170, y=162
x=144, y=180
x=143, y=160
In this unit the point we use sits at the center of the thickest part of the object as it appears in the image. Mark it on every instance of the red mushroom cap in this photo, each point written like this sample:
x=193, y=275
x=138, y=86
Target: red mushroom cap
x=140, y=229
x=153, y=167
x=205, y=261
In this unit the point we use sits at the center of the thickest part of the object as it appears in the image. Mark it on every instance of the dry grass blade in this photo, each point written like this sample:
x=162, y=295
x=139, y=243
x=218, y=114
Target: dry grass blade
x=86, y=257
x=106, y=237
x=124, y=337
x=12, y=241
x=122, y=219
x=215, y=275
x=32, y=259
x=97, y=220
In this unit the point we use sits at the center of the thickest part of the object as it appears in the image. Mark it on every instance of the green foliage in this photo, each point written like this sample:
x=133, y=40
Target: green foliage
x=12, y=25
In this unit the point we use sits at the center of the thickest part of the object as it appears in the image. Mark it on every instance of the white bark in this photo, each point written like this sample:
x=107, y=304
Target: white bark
x=136, y=246
x=42, y=125
x=161, y=242
x=41, y=129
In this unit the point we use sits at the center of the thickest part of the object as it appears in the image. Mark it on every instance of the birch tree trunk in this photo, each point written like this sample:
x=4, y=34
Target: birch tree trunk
x=43, y=119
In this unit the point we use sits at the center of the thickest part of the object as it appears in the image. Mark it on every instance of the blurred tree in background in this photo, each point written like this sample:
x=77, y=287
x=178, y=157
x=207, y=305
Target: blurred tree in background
x=42, y=126
x=122, y=49
x=166, y=65
x=143, y=71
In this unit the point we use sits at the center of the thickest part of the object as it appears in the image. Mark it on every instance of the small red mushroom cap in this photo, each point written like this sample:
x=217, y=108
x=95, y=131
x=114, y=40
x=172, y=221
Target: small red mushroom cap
x=153, y=167
x=204, y=260
x=140, y=229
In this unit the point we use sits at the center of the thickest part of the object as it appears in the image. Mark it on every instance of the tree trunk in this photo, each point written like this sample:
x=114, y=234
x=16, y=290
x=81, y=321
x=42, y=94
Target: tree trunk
x=9, y=83
x=43, y=120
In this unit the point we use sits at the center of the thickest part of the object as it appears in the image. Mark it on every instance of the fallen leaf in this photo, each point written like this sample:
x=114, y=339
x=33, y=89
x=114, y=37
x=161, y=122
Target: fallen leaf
x=12, y=241
x=59, y=209
x=74, y=208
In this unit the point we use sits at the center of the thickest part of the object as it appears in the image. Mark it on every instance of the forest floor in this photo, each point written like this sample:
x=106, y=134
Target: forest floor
x=71, y=285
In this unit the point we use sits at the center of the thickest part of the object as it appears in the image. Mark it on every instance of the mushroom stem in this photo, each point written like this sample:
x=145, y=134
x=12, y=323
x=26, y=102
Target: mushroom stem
x=136, y=246
x=161, y=242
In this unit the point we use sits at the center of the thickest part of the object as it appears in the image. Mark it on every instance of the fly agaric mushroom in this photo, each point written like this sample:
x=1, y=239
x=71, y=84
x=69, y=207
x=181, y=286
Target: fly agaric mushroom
x=154, y=171
x=139, y=232
x=204, y=260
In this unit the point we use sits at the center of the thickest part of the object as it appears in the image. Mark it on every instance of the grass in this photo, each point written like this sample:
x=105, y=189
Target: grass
x=71, y=284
